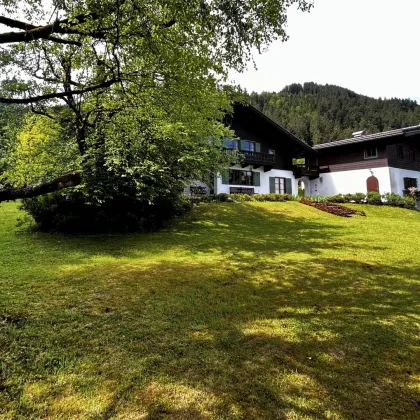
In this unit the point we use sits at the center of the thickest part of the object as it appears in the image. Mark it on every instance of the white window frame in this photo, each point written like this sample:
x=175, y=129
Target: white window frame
x=370, y=149
x=279, y=182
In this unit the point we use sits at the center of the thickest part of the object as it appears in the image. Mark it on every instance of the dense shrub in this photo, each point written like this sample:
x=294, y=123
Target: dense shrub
x=317, y=198
x=70, y=213
x=392, y=199
x=339, y=198
x=409, y=203
x=240, y=198
x=358, y=197
x=374, y=198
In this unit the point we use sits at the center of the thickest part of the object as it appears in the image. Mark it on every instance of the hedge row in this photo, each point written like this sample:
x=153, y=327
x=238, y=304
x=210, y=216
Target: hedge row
x=374, y=198
x=389, y=199
x=240, y=198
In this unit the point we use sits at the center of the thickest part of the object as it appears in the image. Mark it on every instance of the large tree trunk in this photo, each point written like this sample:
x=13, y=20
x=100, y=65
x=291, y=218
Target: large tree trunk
x=65, y=181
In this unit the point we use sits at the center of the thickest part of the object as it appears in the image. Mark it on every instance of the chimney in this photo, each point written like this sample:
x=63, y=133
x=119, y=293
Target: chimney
x=358, y=134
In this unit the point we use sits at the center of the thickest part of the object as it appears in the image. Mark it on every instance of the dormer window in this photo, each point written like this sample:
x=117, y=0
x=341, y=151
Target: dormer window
x=371, y=153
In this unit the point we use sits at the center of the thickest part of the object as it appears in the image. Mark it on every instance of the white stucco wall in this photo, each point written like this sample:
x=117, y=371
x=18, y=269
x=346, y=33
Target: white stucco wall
x=350, y=182
x=397, y=179
x=264, y=178
x=187, y=190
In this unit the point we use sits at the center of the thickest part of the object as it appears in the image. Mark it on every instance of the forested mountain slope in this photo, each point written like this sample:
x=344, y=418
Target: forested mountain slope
x=319, y=114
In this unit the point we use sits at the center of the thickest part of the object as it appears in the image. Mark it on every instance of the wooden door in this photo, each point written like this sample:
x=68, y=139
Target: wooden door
x=372, y=184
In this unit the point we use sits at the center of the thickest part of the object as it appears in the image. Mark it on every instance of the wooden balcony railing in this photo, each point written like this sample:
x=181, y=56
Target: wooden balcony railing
x=253, y=157
x=311, y=171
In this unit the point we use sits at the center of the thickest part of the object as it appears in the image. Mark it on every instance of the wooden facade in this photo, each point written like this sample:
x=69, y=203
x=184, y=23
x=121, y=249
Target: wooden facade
x=410, y=158
x=398, y=152
x=350, y=158
x=250, y=124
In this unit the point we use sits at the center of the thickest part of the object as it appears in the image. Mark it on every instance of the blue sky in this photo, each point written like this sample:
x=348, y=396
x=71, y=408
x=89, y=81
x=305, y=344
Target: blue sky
x=369, y=46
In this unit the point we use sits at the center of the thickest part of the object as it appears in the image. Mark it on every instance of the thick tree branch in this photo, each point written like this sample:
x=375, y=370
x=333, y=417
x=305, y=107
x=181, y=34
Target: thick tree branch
x=58, y=95
x=28, y=27
x=32, y=32
x=64, y=181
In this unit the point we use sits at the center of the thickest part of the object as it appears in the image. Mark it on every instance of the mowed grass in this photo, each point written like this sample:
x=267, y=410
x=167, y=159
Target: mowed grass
x=239, y=311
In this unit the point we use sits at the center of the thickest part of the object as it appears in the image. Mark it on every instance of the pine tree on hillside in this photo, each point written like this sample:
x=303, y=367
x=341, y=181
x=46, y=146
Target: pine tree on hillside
x=323, y=113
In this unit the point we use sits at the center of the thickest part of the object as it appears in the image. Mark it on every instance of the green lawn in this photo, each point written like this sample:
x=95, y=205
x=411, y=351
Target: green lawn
x=240, y=311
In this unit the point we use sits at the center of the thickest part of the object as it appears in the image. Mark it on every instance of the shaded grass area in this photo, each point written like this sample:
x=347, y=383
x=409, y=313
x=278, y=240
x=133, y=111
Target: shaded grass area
x=253, y=310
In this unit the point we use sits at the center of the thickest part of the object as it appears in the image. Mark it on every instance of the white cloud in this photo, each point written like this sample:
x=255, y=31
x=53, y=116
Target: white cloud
x=369, y=46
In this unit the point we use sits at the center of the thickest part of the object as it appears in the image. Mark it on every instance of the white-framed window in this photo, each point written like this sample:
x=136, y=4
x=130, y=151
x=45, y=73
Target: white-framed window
x=280, y=185
x=371, y=153
x=237, y=177
x=271, y=152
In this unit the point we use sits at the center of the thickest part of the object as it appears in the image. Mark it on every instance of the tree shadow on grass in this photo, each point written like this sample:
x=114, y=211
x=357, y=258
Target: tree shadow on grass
x=335, y=338
x=234, y=230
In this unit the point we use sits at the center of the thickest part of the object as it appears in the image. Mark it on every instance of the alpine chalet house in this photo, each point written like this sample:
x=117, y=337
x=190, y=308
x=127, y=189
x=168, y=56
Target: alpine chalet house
x=268, y=151
x=276, y=161
x=382, y=162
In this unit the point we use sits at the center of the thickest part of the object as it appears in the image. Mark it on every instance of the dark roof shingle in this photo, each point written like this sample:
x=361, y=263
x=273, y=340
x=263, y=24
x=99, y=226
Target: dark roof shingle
x=368, y=137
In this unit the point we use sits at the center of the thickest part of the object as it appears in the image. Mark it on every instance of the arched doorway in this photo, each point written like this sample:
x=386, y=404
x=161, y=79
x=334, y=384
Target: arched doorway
x=372, y=184
x=301, y=188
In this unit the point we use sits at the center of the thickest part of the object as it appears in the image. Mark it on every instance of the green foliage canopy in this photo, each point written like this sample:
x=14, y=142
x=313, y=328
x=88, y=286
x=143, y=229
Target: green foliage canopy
x=138, y=83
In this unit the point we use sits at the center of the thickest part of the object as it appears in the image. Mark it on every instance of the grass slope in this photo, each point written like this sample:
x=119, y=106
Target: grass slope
x=248, y=311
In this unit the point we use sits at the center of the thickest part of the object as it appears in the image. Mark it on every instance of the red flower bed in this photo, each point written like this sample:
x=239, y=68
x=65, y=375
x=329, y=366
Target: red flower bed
x=334, y=208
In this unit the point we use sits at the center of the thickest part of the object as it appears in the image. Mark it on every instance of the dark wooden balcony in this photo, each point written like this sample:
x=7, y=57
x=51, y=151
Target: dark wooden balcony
x=311, y=171
x=254, y=158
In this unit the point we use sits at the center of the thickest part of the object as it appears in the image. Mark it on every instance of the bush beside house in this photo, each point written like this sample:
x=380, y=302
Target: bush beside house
x=372, y=198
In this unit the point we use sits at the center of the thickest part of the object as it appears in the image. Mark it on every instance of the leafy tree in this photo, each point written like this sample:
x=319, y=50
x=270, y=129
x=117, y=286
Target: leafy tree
x=10, y=120
x=137, y=85
x=43, y=149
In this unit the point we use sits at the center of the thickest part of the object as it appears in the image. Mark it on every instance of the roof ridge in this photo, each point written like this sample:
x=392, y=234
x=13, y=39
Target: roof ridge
x=365, y=137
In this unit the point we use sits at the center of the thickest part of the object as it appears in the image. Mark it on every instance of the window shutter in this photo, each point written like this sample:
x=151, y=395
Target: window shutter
x=258, y=147
x=257, y=179
x=272, y=185
x=288, y=184
x=225, y=176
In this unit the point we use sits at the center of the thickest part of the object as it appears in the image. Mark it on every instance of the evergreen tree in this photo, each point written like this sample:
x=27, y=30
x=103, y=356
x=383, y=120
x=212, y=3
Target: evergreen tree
x=323, y=113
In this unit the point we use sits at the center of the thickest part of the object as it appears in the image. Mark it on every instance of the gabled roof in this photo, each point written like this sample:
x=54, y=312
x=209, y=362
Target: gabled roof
x=300, y=143
x=407, y=132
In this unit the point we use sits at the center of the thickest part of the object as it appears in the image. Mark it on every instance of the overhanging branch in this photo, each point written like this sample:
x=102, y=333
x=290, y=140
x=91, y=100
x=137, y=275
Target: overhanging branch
x=28, y=27
x=64, y=181
x=32, y=32
x=58, y=95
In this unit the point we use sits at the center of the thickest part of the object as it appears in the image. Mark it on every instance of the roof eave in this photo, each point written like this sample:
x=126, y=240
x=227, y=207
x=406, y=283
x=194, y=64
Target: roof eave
x=300, y=142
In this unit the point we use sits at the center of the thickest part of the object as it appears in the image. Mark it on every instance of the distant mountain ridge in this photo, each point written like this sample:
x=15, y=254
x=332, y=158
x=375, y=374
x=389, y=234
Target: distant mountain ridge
x=322, y=113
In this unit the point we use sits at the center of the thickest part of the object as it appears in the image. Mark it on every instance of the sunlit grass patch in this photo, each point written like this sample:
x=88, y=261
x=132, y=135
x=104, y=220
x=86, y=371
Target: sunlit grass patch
x=254, y=310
